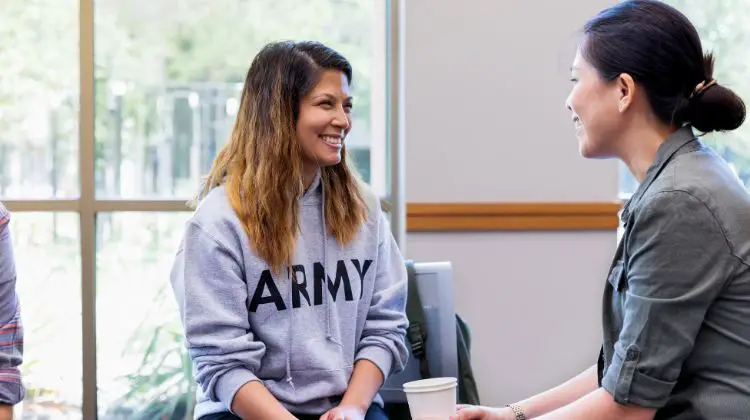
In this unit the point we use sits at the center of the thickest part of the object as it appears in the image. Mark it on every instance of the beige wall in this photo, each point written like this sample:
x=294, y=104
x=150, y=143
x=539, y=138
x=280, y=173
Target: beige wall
x=485, y=121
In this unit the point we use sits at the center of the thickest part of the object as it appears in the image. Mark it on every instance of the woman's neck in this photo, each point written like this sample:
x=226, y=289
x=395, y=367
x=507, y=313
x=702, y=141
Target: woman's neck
x=308, y=176
x=639, y=147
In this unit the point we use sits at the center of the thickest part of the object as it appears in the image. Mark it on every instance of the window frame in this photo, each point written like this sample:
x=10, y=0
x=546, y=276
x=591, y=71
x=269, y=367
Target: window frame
x=88, y=206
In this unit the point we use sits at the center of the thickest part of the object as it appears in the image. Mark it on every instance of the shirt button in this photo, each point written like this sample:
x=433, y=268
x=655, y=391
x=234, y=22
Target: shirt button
x=631, y=355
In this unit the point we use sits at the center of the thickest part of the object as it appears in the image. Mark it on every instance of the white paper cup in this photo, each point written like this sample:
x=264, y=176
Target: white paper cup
x=431, y=399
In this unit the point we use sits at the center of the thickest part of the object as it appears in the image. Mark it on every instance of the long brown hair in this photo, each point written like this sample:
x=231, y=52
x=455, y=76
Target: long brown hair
x=261, y=164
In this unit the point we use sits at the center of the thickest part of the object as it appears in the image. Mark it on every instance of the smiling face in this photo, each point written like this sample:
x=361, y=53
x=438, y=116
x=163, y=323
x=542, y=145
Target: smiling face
x=595, y=109
x=324, y=121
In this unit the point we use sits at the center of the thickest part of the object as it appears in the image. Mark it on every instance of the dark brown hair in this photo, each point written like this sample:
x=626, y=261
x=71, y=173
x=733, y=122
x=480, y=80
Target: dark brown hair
x=660, y=49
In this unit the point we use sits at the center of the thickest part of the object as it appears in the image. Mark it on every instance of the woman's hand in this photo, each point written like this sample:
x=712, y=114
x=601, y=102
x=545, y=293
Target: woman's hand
x=344, y=412
x=475, y=412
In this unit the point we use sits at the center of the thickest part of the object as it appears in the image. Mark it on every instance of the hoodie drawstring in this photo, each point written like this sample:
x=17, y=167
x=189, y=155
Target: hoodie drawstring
x=290, y=277
x=329, y=335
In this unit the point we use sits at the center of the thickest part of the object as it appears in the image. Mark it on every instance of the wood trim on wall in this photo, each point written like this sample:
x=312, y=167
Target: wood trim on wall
x=456, y=217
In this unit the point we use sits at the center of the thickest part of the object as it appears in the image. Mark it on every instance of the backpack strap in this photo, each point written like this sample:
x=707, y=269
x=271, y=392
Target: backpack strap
x=467, y=385
x=417, y=331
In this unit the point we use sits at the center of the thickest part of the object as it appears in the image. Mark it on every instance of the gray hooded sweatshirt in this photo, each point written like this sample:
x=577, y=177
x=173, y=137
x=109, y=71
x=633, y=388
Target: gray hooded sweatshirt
x=299, y=338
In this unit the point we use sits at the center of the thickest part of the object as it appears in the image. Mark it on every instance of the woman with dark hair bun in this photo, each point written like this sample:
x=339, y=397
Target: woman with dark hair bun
x=676, y=305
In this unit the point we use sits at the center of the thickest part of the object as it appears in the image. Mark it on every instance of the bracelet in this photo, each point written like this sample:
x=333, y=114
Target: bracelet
x=517, y=411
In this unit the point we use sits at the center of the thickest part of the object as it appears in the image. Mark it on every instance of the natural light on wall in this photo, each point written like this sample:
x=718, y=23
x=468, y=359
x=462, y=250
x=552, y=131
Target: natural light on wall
x=166, y=78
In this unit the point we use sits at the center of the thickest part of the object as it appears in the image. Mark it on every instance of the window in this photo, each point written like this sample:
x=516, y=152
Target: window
x=169, y=76
x=48, y=260
x=723, y=29
x=103, y=138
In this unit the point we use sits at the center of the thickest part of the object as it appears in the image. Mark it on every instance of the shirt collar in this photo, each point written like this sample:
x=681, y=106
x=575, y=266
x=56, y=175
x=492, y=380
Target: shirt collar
x=664, y=154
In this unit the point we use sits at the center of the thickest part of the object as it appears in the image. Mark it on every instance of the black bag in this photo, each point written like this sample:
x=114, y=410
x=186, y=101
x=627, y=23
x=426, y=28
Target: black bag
x=419, y=339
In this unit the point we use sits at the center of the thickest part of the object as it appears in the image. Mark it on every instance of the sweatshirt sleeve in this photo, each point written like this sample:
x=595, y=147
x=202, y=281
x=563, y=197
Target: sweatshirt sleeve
x=384, y=336
x=11, y=330
x=209, y=284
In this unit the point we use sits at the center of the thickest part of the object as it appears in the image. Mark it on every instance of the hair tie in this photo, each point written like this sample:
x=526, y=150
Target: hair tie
x=702, y=87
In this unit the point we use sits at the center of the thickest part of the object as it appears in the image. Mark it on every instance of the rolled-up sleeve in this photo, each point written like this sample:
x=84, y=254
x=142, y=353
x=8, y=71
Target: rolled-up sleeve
x=11, y=330
x=678, y=263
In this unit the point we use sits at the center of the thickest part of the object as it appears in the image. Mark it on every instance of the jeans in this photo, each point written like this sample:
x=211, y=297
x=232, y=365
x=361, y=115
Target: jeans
x=375, y=412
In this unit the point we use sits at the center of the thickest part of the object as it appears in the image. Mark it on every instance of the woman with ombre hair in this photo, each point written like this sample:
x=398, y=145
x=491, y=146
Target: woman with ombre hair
x=291, y=287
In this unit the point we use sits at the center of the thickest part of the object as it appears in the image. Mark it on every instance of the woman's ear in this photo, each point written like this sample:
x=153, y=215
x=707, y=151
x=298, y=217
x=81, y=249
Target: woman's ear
x=625, y=91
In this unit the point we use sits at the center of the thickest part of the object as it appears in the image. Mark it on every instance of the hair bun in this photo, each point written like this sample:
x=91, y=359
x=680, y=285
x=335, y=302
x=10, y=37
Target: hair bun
x=715, y=108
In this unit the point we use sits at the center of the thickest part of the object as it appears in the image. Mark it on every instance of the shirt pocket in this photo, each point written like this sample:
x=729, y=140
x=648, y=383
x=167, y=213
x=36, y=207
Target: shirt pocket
x=617, y=278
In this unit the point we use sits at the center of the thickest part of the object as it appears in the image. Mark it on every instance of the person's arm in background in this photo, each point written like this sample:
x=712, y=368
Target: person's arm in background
x=6, y=412
x=207, y=279
x=543, y=403
x=600, y=405
x=11, y=329
x=561, y=395
x=382, y=349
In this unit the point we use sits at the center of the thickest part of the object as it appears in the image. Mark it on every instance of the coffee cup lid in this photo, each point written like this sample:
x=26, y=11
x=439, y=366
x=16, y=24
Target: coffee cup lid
x=430, y=383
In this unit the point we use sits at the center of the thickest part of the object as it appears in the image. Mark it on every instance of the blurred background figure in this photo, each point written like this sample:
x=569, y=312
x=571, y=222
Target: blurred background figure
x=11, y=331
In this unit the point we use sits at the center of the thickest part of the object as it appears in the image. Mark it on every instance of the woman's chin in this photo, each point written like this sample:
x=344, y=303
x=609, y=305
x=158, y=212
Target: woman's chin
x=585, y=149
x=329, y=159
x=584, y=153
